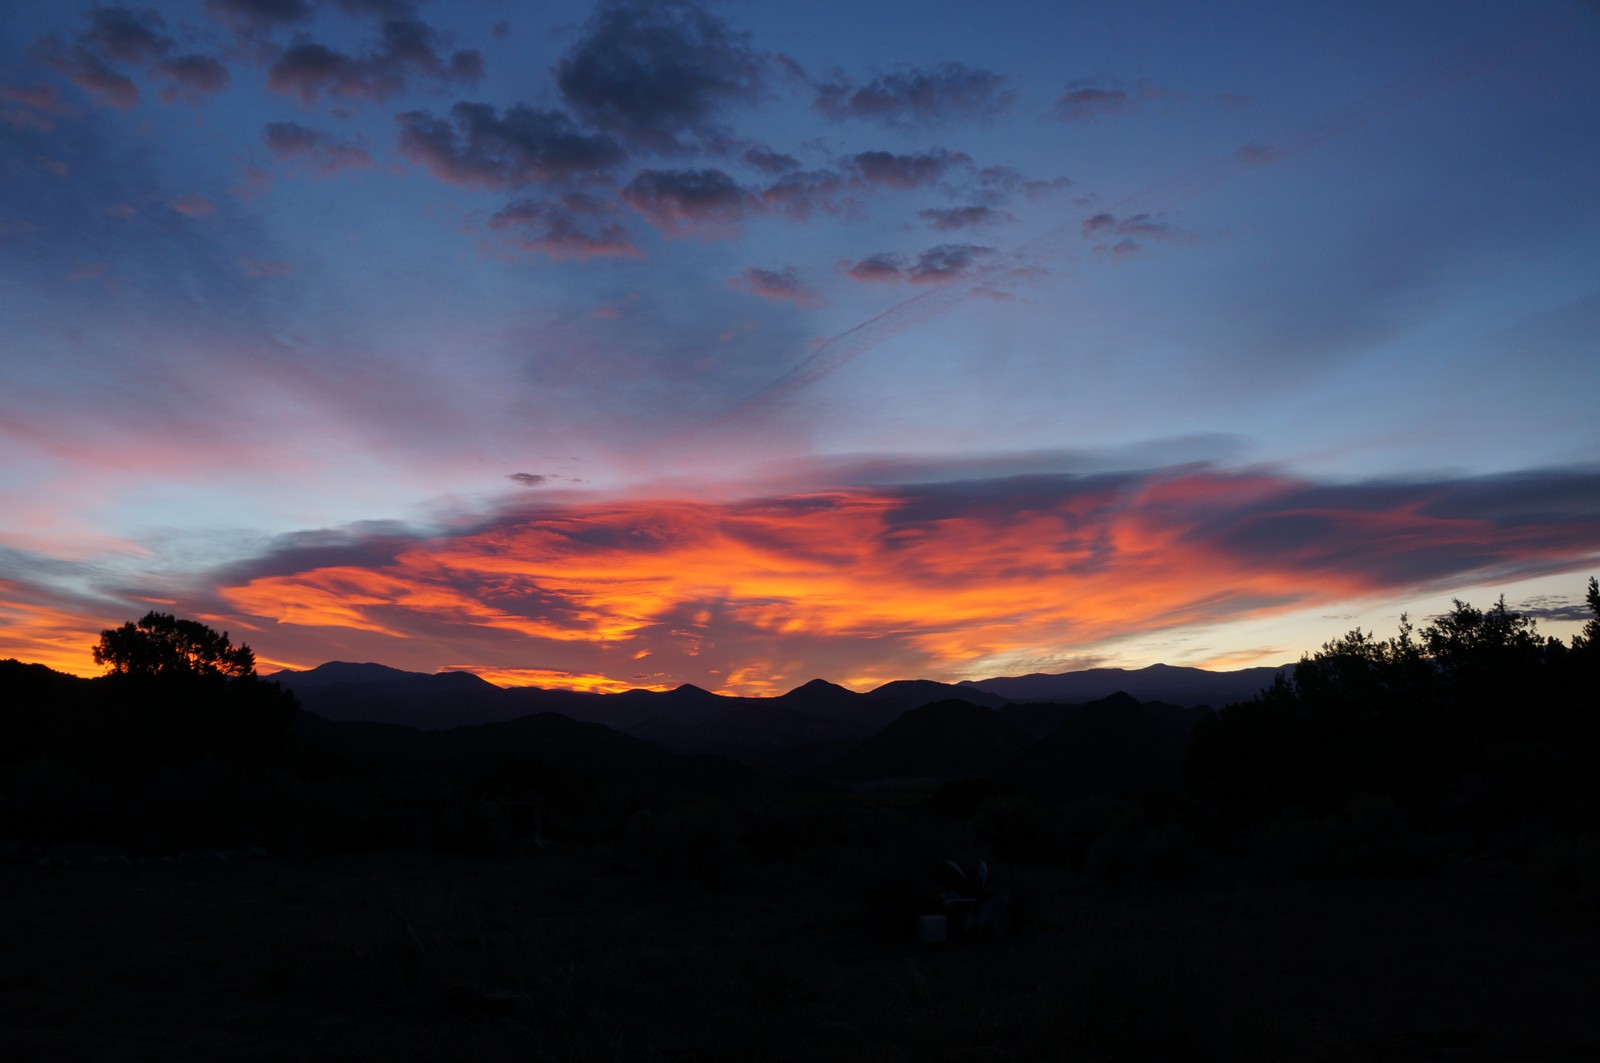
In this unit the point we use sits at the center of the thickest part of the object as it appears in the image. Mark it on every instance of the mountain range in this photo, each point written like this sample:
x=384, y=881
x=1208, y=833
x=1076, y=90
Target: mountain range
x=818, y=714
x=690, y=740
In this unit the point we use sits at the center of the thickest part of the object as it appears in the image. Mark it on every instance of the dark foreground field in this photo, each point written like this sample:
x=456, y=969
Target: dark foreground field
x=554, y=956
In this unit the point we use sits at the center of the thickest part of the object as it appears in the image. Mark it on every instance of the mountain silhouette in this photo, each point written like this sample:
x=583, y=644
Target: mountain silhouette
x=945, y=740
x=1115, y=745
x=340, y=690
x=1159, y=682
x=915, y=693
x=819, y=715
x=687, y=718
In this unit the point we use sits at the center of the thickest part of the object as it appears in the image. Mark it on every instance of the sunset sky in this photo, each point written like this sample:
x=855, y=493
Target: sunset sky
x=636, y=344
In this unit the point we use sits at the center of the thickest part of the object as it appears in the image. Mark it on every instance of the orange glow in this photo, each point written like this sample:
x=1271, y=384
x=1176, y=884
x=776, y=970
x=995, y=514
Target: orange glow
x=40, y=634
x=930, y=587
x=1229, y=662
x=861, y=586
x=548, y=678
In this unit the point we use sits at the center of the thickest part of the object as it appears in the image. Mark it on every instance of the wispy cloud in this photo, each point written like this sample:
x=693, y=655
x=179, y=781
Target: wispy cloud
x=945, y=219
x=937, y=265
x=572, y=225
x=1090, y=99
x=321, y=151
x=783, y=285
x=920, y=96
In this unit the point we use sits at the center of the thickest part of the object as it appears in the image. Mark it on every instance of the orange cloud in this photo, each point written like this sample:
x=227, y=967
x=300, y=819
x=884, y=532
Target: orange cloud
x=45, y=634
x=547, y=677
x=869, y=585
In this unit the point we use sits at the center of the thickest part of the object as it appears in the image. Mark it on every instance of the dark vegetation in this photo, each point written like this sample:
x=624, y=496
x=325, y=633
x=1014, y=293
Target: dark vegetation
x=1391, y=852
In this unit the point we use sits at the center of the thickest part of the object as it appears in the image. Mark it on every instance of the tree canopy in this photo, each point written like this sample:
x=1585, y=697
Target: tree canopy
x=1476, y=703
x=160, y=645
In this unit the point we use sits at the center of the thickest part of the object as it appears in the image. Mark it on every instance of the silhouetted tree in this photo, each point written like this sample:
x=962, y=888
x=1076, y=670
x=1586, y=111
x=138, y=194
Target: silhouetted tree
x=1588, y=640
x=184, y=691
x=1479, y=704
x=159, y=645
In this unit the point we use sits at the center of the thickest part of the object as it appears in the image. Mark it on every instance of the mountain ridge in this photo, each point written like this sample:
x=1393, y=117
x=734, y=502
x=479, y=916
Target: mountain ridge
x=690, y=718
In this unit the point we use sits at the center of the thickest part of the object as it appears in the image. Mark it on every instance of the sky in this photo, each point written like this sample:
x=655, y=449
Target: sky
x=640, y=343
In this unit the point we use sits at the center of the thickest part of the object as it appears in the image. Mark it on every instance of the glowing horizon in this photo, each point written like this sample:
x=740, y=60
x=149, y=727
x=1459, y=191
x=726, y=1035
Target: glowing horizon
x=960, y=579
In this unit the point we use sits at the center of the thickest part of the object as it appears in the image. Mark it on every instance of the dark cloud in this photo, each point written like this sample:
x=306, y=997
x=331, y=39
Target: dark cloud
x=1087, y=100
x=529, y=479
x=905, y=171
x=937, y=265
x=657, y=73
x=1548, y=608
x=1041, y=188
x=675, y=199
x=799, y=195
x=321, y=151
x=768, y=161
x=1439, y=528
x=948, y=218
x=997, y=184
x=364, y=544
x=1100, y=225
x=257, y=16
x=948, y=92
x=1085, y=104
x=127, y=36
x=115, y=37
x=193, y=77
x=308, y=69
x=99, y=79
x=882, y=267
x=1152, y=227
x=946, y=262
x=574, y=225
x=480, y=147
x=783, y=285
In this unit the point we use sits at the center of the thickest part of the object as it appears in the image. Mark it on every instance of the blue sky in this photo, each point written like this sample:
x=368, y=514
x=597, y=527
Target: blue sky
x=635, y=343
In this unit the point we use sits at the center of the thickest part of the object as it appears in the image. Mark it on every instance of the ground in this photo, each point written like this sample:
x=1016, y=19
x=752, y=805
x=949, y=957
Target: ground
x=558, y=956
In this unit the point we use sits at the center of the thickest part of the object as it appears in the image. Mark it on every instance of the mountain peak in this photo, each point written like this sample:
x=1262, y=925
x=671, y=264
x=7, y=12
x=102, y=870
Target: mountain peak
x=464, y=679
x=819, y=686
x=345, y=672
